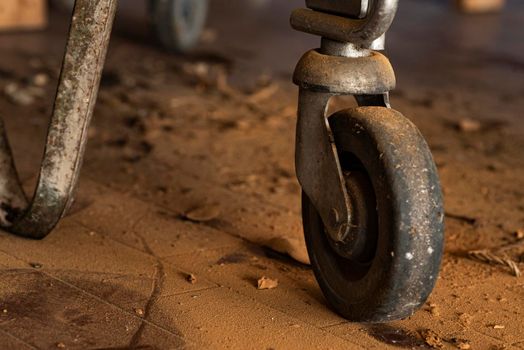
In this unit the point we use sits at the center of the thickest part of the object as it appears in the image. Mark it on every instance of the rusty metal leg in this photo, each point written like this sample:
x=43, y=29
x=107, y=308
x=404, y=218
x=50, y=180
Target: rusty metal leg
x=75, y=99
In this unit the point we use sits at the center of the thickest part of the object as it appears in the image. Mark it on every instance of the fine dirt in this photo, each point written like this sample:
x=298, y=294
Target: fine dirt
x=188, y=200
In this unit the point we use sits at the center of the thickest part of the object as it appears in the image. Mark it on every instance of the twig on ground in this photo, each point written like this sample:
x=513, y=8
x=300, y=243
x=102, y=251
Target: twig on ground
x=491, y=258
x=464, y=218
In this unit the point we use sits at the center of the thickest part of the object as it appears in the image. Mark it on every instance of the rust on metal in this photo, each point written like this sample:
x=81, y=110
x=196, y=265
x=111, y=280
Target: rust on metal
x=370, y=75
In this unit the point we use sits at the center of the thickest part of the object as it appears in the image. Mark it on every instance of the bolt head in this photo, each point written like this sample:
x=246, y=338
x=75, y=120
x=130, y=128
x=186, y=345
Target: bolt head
x=334, y=217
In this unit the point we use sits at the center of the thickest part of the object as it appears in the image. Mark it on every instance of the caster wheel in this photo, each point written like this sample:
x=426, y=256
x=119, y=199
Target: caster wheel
x=179, y=23
x=397, y=215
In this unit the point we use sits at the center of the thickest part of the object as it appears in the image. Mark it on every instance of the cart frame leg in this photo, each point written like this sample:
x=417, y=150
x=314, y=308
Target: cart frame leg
x=67, y=134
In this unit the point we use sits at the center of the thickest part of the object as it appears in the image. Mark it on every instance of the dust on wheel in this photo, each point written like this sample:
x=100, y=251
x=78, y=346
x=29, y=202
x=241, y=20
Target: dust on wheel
x=396, y=209
x=178, y=24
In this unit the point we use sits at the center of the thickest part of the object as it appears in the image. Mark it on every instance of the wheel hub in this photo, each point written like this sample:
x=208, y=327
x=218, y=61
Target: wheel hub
x=360, y=241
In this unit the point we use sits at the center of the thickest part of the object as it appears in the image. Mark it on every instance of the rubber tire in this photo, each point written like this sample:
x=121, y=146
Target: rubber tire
x=173, y=30
x=404, y=268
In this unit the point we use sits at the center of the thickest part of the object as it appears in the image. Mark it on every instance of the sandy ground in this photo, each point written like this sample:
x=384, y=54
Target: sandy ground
x=188, y=190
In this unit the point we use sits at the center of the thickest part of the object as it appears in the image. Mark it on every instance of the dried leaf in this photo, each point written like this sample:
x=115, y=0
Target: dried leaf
x=203, y=213
x=139, y=312
x=191, y=278
x=431, y=338
x=469, y=125
x=267, y=283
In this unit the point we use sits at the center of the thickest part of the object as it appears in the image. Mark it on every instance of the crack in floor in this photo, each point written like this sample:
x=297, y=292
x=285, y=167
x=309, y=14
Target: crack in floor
x=158, y=283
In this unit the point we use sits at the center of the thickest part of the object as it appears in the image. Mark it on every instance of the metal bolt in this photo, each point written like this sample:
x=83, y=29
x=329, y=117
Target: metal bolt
x=336, y=229
x=334, y=217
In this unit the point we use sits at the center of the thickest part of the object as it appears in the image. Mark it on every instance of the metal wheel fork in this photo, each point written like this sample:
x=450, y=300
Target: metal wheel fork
x=344, y=65
x=66, y=138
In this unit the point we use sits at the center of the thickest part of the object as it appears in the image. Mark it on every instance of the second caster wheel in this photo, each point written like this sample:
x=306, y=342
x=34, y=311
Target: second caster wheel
x=178, y=24
x=396, y=215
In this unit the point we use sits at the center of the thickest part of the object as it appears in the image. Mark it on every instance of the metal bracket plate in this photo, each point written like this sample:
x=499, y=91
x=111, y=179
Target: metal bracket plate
x=317, y=164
